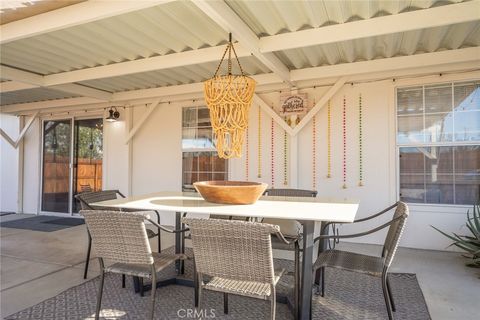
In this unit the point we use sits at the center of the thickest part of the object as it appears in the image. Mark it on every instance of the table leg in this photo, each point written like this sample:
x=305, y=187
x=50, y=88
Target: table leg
x=322, y=246
x=305, y=307
x=178, y=240
x=182, y=262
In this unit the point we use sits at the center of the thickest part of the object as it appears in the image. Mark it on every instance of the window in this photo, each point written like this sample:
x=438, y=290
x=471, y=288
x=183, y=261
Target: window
x=438, y=138
x=200, y=159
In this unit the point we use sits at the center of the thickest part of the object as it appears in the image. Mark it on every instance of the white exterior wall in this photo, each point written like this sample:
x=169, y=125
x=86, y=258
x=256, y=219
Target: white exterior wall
x=153, y=162
x=9, y=164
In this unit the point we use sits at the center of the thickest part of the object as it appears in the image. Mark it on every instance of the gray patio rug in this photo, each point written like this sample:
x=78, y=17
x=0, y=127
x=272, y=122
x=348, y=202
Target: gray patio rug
x=42, y=223
x=348, y=296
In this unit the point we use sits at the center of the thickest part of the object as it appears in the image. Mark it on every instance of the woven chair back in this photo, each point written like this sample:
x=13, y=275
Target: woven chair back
x=395, y=232
x=231, y=249
x=290, y=193
x=119, y=236
x=87, y=198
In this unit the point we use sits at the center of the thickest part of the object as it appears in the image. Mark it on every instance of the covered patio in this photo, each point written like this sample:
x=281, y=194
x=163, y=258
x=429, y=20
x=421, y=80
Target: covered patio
x=349, y=132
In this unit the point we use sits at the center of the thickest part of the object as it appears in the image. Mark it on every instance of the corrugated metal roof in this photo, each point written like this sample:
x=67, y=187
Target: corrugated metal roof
x=33, y=95
x=173, y=27
x=392, y=45
x=174, y=76
x=179, y=26
x=289, y=16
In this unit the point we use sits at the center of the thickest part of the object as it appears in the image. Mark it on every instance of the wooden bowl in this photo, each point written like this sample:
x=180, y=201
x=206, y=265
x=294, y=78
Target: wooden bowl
x=230, y=192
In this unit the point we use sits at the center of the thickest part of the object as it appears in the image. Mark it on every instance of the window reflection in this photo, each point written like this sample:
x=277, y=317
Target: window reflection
x=200, y=159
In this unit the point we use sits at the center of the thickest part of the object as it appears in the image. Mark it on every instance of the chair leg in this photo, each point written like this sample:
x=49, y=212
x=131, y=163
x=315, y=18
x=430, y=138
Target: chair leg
x=123, y=281
x=100, y=289
x=182, y=262
x=87, y=261
x=273, y=303
x=200, y=288
x=154, y=291
x=296, y=287
x=140, y=280
x=323, y=281
x=195, y=283
x=385, y=295
x=392, y=303
x=225, y=303
x=159, y=239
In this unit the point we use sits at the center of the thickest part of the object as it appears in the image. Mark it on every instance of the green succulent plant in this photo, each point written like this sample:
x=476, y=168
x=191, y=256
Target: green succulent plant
x=469, y=243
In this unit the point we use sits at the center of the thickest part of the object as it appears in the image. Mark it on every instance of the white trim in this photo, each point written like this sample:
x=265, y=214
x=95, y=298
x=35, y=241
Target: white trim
x=70, y=16
x=396, y=23
x=33, y=79
x=226, y=18
x=15, y=143
x=272, y=113
x=167, y=61
x=320, y=104
x=9, y=86
x=134, y=128
x=467, y=59
x=20, y=161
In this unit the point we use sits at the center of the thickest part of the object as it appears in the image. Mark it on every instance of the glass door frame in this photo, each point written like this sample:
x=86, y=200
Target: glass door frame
x=72, y=119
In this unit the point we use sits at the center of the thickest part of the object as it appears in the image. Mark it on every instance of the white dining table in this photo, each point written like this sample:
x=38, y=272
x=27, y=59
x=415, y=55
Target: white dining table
x=305, y=210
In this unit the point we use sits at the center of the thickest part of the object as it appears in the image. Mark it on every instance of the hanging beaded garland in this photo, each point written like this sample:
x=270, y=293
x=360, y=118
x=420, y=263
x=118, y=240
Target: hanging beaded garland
x=344, y=124
x=272, y=149
x=259, y=153
x=247, y=154
x=314, y=152
x=329, y=142
x=360, y=141
x=285, y=158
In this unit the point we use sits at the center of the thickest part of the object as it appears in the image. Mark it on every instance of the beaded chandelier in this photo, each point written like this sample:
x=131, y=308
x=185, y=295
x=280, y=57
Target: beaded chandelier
x=229, y=98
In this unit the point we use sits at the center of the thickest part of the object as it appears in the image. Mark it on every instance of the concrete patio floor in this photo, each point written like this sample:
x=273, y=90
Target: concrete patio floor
x=39, y=265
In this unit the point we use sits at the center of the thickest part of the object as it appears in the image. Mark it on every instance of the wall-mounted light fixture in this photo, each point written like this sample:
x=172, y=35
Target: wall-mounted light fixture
x=113, y=115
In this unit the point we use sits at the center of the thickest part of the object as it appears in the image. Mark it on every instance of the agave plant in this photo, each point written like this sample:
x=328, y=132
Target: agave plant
x=469, y=243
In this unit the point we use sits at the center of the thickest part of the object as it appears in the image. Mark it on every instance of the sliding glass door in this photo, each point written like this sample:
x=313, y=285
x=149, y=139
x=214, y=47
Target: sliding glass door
x=72, y=162
x=57, y=145
x=87, y=158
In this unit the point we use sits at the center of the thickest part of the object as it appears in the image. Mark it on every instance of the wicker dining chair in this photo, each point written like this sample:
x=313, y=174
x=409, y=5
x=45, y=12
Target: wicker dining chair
x=371, y=265
x=87, y=198
x=291, y=231
x=238, y=257
x=121, y=237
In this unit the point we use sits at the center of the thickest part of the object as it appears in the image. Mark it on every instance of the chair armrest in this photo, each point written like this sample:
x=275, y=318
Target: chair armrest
x=355, y=235
x=326, y=225
x=166, y=229
x=376, y=214
x=282, y=238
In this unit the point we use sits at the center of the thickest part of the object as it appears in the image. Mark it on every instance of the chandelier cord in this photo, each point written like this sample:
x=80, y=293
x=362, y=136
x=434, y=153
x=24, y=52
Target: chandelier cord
x=229, y=49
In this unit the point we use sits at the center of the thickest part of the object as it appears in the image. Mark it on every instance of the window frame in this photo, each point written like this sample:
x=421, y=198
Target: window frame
x=198, y=150
x=429, y=207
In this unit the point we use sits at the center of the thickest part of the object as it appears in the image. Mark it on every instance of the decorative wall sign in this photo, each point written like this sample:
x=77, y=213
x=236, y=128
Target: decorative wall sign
x=259, y=153
x=293, y=107
x=344, y=125
x=360, y=141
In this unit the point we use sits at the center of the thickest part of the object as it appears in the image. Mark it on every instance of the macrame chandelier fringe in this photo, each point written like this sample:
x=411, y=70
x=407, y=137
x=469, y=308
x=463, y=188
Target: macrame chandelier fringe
x=229, y=98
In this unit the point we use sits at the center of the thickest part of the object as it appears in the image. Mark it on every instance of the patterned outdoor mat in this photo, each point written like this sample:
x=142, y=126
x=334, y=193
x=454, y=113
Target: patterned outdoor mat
x=348, y=296
x=42, y=223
